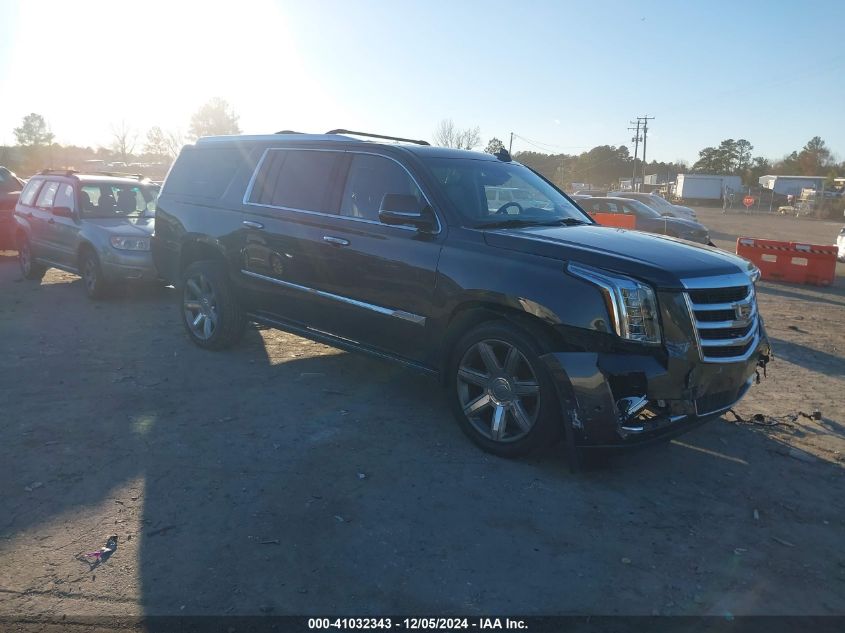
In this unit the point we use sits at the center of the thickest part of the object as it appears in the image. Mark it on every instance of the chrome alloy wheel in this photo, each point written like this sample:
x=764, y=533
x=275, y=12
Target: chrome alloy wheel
x=199, y=307
x=498, y=390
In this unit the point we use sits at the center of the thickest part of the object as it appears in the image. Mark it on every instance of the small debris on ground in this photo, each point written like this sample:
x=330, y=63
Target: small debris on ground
x=101, y=555
x=783, y=542
x=756, y=515
x=339, y=518
x=33, y=486
x=626, y=561
x=362, y=476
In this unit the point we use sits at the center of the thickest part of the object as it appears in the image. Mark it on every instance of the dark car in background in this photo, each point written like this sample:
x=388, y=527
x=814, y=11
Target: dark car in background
x=10, y=189
x=658, y=203
x=647, y=219
x=539, y=323
x=96, y=225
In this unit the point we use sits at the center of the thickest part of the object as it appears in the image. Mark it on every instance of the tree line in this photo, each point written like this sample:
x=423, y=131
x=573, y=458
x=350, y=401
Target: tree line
x=735, y=157
x=36, y=148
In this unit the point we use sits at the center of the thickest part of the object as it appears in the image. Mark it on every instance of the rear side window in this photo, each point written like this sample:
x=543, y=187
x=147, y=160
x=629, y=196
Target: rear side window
x=203, y=173
x=298, y=179
x=47, y=195
x=29, y=192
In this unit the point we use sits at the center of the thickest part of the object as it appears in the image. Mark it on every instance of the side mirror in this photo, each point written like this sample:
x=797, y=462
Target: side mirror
x=404, y=209
x=62, y=212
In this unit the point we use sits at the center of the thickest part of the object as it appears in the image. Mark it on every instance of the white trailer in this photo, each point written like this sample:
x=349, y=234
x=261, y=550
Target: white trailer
x=706, y=186
x=791, y=185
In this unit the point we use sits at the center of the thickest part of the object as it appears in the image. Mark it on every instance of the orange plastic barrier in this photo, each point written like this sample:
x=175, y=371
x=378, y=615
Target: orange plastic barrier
x=618, y=220
x=794, y=262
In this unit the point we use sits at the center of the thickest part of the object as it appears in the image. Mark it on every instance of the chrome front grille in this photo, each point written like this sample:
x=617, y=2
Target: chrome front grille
x=727, y=326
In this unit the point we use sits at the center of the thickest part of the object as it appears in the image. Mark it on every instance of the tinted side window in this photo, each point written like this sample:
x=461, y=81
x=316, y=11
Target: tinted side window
x=29, y=192
x=298, y=179
x=47, y=195
x=370, y=178
x=203, y=173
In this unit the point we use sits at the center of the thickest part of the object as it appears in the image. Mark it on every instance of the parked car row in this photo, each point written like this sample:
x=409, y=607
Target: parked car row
x=647, y=218
x=539, y=323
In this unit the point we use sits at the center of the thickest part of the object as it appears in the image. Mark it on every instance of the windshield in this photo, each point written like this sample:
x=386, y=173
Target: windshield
x=642, y=210
x=656, y=202
x=117, y=200
x=487, y=193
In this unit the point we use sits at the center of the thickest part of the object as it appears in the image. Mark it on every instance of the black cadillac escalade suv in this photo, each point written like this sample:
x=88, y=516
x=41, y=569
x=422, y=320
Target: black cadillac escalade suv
x=540, y=323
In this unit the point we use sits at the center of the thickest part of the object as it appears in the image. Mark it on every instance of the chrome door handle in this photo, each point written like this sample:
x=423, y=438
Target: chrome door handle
x=252, y=225
x=335, y=240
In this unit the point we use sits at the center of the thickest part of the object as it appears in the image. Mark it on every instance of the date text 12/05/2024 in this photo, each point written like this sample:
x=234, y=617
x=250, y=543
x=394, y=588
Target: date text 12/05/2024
x=417, y=623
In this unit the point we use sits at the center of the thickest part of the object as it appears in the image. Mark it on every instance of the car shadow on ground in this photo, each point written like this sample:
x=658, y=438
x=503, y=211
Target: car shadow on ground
x=813, y=359
x=825, y=294
x=284, y=477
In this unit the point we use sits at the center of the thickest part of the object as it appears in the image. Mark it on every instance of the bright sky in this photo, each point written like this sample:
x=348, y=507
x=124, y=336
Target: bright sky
x=567, y=75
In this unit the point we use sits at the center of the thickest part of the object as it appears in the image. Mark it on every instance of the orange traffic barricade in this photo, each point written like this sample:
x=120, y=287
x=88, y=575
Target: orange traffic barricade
x=619, y=220
x=794, y=262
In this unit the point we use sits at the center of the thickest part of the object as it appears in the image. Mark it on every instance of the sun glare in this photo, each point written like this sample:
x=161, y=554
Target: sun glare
x=124, y=61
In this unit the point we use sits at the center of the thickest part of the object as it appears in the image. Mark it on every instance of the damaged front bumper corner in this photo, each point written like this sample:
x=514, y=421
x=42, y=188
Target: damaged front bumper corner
x=621, y=399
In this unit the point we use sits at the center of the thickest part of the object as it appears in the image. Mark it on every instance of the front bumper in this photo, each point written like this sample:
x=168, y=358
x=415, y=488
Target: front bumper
x=618, y=398
x=128, y=266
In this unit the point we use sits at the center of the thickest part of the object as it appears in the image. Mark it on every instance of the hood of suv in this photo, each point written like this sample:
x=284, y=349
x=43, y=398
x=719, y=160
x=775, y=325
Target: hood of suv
x=659, y=260
x=126, y=227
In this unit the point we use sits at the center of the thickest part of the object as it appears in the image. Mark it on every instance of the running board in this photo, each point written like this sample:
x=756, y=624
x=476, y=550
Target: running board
x=337, y=341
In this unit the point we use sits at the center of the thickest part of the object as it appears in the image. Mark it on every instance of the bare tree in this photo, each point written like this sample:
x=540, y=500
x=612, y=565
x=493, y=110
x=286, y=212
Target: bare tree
x=174, y=140
x=447, y=135
x=444, y=134
x=124, y=138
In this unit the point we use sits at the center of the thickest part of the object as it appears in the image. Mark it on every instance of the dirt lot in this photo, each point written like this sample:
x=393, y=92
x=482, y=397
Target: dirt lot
x=287, y=477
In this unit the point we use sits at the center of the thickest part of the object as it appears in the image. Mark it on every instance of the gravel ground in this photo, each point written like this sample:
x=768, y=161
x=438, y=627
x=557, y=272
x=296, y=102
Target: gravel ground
x=287, y=477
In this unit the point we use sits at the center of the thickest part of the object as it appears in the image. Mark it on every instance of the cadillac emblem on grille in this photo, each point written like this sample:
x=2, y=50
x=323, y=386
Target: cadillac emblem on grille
x=743, y=312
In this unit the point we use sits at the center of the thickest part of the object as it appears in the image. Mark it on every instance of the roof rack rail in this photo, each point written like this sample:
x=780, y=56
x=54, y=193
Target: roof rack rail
x=57, y=172
x=117, y=174
x=389, y=138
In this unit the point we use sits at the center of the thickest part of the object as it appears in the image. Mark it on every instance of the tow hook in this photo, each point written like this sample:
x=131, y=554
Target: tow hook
x=762, y=361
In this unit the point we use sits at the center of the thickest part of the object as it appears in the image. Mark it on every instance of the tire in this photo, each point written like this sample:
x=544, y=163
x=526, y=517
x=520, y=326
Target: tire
x=30, y=269
x=523, y=421
x=210, y=311
x=96, y=286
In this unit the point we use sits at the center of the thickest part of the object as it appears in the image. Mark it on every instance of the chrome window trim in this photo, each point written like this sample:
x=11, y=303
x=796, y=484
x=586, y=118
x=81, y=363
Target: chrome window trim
x=252, y=179
x=397, y=314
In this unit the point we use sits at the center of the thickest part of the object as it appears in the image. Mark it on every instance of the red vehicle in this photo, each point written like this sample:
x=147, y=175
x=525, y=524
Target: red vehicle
x=10, y=190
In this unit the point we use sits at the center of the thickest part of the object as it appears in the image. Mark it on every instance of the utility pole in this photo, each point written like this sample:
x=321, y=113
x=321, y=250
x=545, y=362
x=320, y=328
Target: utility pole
x=510, y=146
x=636, y=141
x=645, y=121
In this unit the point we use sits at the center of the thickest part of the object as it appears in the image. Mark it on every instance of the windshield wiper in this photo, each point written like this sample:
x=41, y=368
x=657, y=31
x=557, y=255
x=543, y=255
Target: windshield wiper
x=566, y=222
x=517, y=222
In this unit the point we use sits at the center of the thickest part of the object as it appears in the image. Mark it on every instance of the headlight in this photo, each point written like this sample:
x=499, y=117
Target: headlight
x=754, y=273
x=631, y=304
x=131, y=243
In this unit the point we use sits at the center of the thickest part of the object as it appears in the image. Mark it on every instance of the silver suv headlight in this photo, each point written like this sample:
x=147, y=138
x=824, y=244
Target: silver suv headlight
x=631, y=304
x=131, y=243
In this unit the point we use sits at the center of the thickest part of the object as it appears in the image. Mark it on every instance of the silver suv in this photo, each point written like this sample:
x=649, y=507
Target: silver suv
x=96, y=225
